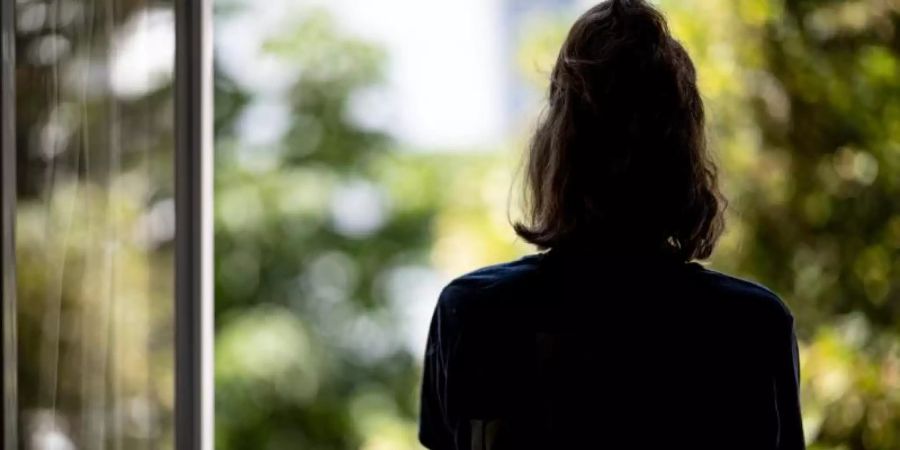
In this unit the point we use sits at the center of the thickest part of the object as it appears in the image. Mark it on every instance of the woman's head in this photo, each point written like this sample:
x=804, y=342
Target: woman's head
x=619, y=154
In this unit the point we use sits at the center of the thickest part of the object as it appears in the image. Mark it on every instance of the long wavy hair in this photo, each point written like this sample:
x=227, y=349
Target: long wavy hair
x=619, y=154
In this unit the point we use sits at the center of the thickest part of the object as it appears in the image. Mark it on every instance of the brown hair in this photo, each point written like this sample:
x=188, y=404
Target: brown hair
x=620, y=153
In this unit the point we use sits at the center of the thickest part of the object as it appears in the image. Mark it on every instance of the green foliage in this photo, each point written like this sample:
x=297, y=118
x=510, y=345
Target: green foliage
x=299, y=299
x=803, y=106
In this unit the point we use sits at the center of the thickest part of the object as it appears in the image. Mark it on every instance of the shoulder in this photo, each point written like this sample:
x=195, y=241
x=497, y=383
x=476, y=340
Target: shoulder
x=747, y=296
x=489, y=283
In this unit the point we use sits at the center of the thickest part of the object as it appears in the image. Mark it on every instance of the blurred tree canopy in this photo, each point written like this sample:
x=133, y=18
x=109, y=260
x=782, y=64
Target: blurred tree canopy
x=310, y=247
x=804, y=99
x=297, y=285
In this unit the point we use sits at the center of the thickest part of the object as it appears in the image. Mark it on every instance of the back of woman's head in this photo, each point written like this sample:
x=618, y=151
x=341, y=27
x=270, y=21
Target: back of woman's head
x=619, y=155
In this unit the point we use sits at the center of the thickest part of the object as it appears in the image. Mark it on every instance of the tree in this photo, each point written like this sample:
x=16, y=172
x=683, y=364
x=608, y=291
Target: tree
x=308, y=353
x=803, y=98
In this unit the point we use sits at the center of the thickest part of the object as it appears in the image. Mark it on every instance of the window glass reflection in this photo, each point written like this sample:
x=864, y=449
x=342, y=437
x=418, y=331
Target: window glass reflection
x=95, y=223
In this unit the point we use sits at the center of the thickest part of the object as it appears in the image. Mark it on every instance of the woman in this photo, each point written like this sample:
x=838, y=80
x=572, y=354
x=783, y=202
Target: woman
x=613, y=338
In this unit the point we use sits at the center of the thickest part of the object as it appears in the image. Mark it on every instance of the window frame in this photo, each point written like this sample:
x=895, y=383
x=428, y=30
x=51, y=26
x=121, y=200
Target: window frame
x=9, y=408
x=193, y=225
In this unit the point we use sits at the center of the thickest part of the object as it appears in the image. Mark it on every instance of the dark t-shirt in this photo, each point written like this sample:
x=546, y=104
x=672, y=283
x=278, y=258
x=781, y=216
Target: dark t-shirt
x=566, y=350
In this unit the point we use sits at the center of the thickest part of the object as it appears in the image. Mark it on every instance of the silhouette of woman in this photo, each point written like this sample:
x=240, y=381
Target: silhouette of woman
x=613, y=337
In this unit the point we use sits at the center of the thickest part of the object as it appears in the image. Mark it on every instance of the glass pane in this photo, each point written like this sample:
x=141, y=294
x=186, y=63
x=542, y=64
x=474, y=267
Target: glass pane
x=95, y=223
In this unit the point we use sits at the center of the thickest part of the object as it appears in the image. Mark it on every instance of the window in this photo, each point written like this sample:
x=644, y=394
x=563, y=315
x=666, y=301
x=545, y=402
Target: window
x=105, y=162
